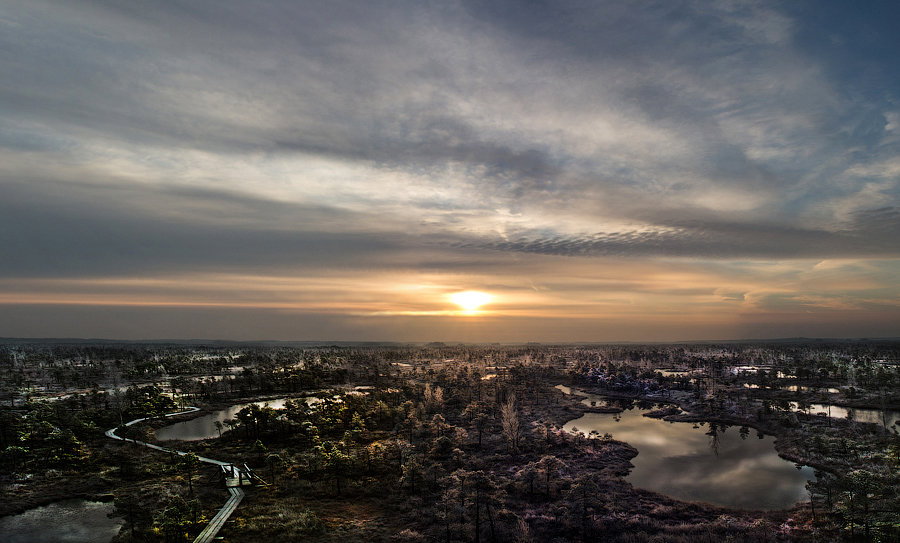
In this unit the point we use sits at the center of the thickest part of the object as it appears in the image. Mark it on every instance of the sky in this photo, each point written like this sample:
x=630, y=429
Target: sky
x=600, y=171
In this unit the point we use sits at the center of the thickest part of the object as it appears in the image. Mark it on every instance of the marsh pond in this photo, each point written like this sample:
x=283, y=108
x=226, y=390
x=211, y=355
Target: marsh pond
x=702, y=462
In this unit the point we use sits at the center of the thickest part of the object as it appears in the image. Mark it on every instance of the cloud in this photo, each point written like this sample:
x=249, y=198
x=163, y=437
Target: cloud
x=559, y=102
x=873, y=234
x=68, y=229
x=468, y=137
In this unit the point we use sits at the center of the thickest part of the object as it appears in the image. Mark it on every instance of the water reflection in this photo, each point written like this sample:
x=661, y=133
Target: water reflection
x=890, y=419
x=675, y=373
x=702, y=462
x=204, y=427
x=68, y=521
x=794, y=388
x=593, y=400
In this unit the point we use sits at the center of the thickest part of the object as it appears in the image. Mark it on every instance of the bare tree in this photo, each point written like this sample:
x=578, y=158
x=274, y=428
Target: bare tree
x=434, y=397
x=509, y=420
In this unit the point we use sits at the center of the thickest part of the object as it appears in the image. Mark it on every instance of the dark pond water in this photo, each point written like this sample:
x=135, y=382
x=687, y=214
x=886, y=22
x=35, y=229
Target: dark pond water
x=888, y=419
x=67, y=521
x=204, y=427
x=694, y=463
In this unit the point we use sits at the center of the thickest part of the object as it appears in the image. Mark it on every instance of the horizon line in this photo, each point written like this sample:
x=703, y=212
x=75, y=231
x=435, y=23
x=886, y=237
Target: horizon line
x=250, y=342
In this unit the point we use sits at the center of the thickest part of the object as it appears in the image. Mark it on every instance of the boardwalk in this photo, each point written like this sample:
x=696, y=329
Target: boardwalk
x=235, y=476
x=218, y=521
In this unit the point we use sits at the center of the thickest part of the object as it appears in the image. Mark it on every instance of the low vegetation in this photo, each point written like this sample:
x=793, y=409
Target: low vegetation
x=442, y=443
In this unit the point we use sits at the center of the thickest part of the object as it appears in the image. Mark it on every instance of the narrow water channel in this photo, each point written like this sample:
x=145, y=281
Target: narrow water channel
x=708, y=463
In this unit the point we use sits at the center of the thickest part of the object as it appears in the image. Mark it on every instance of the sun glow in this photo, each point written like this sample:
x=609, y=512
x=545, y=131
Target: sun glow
x=470, y=300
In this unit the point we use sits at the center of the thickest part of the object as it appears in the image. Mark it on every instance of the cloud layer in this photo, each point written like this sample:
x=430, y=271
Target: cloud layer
x=450, y=146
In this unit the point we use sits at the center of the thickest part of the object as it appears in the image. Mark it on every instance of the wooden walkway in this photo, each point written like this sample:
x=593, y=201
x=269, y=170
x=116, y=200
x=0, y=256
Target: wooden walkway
x=218, y=521
x=238, y=477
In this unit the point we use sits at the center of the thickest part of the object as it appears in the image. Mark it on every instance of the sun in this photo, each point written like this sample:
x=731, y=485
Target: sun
x=470, y=300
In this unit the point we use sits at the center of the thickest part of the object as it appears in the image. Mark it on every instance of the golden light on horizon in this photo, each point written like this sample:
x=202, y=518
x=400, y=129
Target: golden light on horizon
x=470, y=300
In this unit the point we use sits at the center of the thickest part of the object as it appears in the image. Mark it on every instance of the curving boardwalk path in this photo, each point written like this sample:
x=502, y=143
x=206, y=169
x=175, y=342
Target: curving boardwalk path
x=218, y=521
